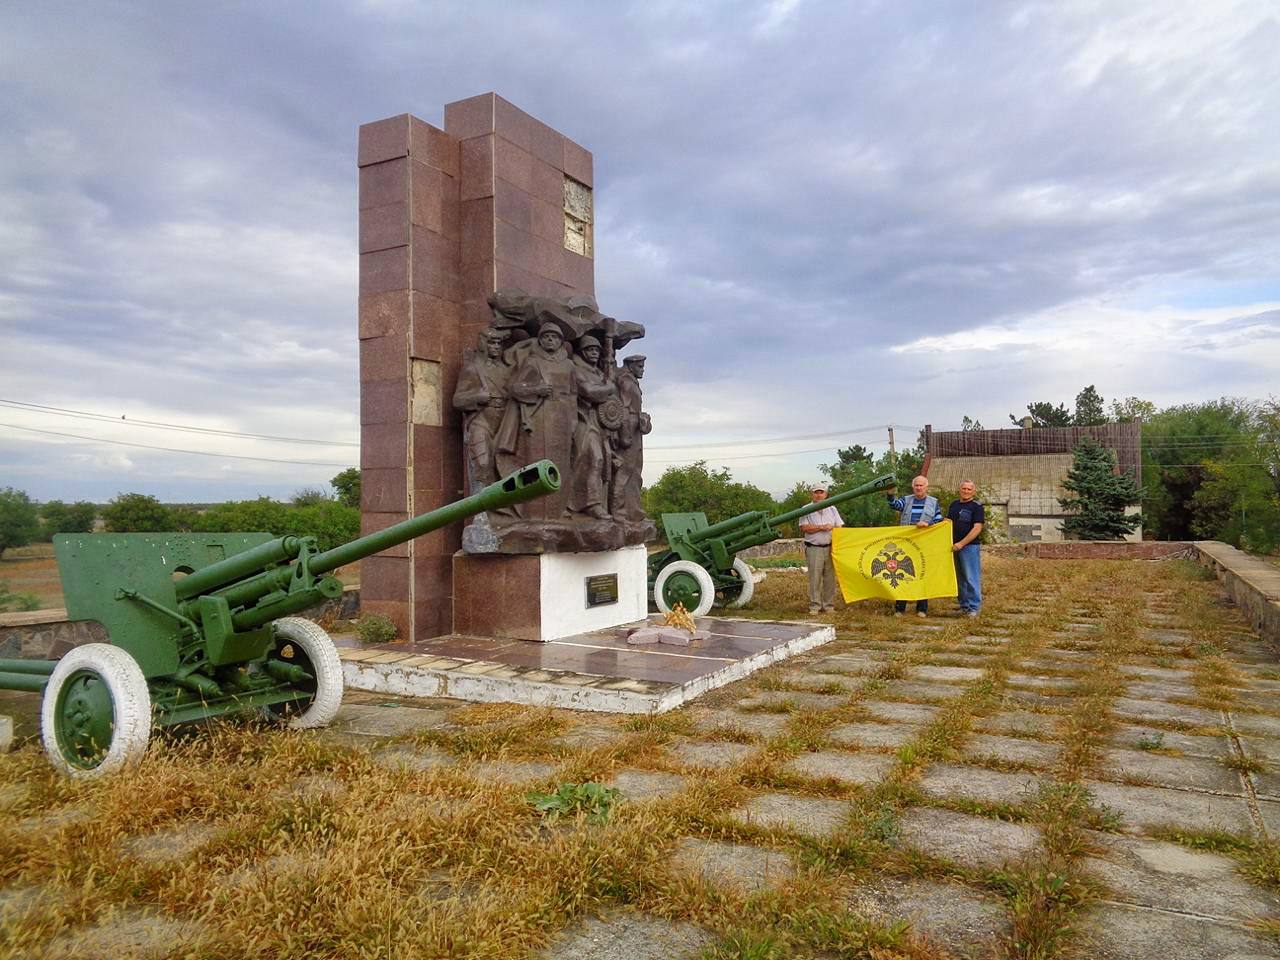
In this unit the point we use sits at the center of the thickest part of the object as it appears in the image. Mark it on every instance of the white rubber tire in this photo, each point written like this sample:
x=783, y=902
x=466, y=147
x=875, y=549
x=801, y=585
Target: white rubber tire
x=130, y=707
x=744, y=572
x=319, y=649
x=706, y=587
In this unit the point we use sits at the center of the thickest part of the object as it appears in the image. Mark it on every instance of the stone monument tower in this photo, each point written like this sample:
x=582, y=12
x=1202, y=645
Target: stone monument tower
x=481, y=343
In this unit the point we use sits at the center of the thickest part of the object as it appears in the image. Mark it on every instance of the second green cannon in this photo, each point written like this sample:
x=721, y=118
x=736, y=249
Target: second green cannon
x=700, y=566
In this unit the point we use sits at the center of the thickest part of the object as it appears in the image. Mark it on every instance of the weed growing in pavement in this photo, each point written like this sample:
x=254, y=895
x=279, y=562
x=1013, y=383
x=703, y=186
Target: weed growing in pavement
x=1153, y=740
x=591, y=800
x=1243, y=764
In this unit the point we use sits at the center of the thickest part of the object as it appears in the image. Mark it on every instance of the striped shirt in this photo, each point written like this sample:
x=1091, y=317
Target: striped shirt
x=917, y=508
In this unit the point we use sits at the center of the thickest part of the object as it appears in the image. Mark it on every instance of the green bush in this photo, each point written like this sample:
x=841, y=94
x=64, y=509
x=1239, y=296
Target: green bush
x=136, y=513
x=19, y=521
x=17, y=601
x=375, y=628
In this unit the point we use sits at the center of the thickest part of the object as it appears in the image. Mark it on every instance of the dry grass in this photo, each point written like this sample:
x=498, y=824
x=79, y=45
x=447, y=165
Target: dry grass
x=315, y=849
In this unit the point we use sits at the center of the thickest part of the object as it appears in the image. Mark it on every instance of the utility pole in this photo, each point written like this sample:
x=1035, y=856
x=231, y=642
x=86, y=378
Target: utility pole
x=893, y=451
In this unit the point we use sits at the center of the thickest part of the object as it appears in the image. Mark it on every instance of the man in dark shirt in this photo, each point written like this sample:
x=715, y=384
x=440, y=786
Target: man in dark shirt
x=967, y=518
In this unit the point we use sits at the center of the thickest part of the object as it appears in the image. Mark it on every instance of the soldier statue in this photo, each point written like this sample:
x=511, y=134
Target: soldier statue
x=624, y=501
x=481, y=395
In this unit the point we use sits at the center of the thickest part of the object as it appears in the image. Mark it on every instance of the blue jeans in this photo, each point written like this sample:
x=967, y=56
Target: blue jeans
x=969, y=577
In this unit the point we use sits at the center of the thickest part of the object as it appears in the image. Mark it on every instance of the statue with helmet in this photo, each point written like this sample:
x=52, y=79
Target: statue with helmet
x=545, y=383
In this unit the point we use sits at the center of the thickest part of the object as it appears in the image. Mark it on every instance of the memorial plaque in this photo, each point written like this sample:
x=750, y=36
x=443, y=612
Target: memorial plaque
x=602, y=589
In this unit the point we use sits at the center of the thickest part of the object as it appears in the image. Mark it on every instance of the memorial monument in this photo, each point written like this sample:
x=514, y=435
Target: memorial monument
x=482, y=347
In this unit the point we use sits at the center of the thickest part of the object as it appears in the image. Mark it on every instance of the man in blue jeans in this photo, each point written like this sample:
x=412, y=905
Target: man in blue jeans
x=917, y=510
x=967, y=517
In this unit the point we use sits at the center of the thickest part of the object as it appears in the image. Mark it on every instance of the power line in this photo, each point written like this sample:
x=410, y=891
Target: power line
x=197, y=453
x=806, y=436
x=161, y=425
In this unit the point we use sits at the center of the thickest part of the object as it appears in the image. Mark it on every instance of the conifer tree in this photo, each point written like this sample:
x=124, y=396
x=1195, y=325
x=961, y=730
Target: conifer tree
x=1097, y=509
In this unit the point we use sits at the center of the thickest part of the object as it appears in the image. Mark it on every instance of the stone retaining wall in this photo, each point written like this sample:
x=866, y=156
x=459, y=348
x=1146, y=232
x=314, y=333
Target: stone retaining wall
x=1253, y=584
x=775, y=548
x=1098, y=550
x=48, y=634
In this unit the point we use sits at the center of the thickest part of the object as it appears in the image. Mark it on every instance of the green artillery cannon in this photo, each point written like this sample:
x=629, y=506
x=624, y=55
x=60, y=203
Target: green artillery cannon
x=200, y=625
x=700, y=568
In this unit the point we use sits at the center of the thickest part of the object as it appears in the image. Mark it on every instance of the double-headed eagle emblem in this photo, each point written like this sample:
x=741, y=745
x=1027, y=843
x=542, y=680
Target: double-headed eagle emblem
x=892, y=565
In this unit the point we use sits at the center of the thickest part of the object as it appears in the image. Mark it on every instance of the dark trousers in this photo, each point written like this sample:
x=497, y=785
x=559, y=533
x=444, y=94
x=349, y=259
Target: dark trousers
x=921, y=605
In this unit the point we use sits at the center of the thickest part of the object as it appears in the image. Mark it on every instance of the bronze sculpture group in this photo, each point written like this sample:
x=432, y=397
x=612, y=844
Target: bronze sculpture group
x=544, y=384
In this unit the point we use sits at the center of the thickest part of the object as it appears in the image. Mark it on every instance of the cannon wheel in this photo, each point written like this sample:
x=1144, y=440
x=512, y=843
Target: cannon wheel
x=95, y=718
x=684, y=581
x=306, y=644
x=748, y=588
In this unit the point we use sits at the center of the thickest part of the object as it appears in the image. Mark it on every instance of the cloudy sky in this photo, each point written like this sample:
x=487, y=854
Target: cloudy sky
x=831, y=216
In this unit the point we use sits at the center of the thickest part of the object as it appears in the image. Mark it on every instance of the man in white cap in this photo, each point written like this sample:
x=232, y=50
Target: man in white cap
x=817, y=527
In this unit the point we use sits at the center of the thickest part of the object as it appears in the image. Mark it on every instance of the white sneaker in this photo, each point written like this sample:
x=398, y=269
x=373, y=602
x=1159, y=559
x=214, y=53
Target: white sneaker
x=972, y=614
x=921, y=613
x=897, y=613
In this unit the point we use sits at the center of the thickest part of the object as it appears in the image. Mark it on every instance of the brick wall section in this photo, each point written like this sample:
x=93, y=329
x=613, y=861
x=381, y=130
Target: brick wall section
x=409, y=313
x=512, y=206
x=446, y=217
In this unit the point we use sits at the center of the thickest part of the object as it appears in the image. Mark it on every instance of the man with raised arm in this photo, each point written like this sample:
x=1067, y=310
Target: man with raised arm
x=917, y=510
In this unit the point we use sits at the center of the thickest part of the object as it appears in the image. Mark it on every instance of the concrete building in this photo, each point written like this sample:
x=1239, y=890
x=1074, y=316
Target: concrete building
x=1019, y=472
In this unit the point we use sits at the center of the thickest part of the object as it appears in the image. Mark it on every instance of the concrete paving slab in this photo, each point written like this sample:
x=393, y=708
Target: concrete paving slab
x=589, y=737
x=900, y=712
x=744, y=867
x=514, y=772
x=1256, y=724
x=921, y=690
x=1014, y=699
x=1035, y=752
x=1270, y=812
x=1143, y=808
x=974, y=842
x=1186, y=773
x=978, y=783
x=6, y=733
x=137, y=935
x=872, y=734
x=630, y=936
x=858, y=664
x=1121, y=932
x=1169, y=712
x=812, y=680
x=1042, y=681
x=809, y=816
x=761, y=725
x=1153, y=873
x=857, y=769
x=710, y=753
x=17, y=901
x=947, y=674
x=169, y=846
x=396, y=721
x=963, y=920
x=1131, y=737
x=1160, y=690
x=648, y=784
x=1019, y=723
x=791, y=701
x=409, y=757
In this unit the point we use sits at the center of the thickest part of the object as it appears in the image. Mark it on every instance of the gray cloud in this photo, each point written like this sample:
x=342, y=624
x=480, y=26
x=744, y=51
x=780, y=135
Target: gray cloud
x=786, y=191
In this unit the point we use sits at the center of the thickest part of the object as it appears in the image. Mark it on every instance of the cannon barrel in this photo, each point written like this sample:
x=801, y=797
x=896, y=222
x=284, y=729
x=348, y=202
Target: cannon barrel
x=529, y=482
x=243, y=578
x=727, y=526
x=871, y=486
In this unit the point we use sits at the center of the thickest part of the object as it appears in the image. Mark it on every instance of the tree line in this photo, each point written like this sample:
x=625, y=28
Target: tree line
x=331, y=519
x=1210, y=471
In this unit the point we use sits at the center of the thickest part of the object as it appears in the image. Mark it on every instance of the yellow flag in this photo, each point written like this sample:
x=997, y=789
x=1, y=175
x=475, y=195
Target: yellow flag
x=900, y=563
